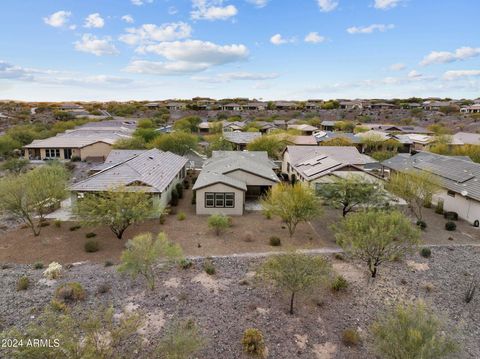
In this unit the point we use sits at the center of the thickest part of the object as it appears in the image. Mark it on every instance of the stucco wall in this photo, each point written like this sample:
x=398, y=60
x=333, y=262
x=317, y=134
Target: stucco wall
x=250, y=179
x=99, y=149
x=467, y=209
x=219, y=187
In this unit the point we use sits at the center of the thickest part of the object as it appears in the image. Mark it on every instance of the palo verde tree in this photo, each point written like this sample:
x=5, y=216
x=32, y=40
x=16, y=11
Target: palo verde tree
x=116, y=208
x=376, y=236
x=352, y=192
x=412, y=331
x=273, y=144
x=415, y=187
x=143, y=253
x=30, y=196
x=295, y=273
x=292, y=203
x=176, y=142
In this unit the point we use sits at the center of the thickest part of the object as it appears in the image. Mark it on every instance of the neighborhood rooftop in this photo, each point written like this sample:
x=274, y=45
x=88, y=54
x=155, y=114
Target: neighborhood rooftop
x=344, y=154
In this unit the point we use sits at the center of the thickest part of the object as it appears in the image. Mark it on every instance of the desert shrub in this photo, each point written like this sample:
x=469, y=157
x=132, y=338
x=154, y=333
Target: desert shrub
x=275, y=241
x=75, y=159
x=253, y=342
x=44, y=224
x=208, y=267
x=439, y=207
x=91, y=246
x=267, y=214
x=58, y=306
x=218, y=222
x=90, y=235
x=426, y=252
x=70, y=292
x=103, y=288
x=450, y=226
x=182, y=341
x=185, y=263
x=174, y=197
x=339, y=256
x=451, y=216
x=23, y=283
x=339, y=283
x=57, y=223
x=421, y=224
x=75, y=227
x=38, y=265
x=108, y=263
x=351, y=337
x=179, y=187
x=248, y=236
x=53, y=271
x=181, y=216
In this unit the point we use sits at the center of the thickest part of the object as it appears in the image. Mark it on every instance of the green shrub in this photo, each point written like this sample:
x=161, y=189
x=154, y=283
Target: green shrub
x=181, y=216
x=70, y=292
x=108, y=263
x=450, y=226
x=179, y=187
x=421, y=224
x=339, y=283
x=425, y=252
x=75, y=227
x=57, y=223
x=23, y=283
x=253, y=342
x=38, y=265
x=75, y=159
x=185, y=263
x=339, y=256
x=174, y=197
x=91, y=246
x=58, y=306
x=218, y=222
x=275, y=241
x=439, y=207
x=208, y=267
x=451, y=216
x=351, y=337
x=90, y=235
x=44, y=224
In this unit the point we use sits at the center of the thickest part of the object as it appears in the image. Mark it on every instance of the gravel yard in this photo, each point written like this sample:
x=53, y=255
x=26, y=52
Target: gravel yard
x=232, y=300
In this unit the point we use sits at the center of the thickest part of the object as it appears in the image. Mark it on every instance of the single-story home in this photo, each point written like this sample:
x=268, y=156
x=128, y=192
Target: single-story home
x=153, y=171
x=229, y=178
x=458, y=175
x=351, y=105
x=305, y=130
x=254, y=106
x=470, y=109
x=328, y=125
x=240, y=140
x=232, y=107
x=286, y=105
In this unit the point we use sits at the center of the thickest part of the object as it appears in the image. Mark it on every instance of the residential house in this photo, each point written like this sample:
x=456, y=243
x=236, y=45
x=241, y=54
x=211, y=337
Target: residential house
x=92, y=141
x=232, y=107
x=437, y=105
x=351, y=105
x=471, y=109
x=458, y=175
x=382, y=106
x=233, y=126
x=266, y=127
x=240, y=140
x=153, y=105
x=176, y=106
x=328, y=125
x=254, y=106
x=306, y=130
x=316, y=165
x=153, y=171
x=312, y=105
x=285, y=105
x=229, y=178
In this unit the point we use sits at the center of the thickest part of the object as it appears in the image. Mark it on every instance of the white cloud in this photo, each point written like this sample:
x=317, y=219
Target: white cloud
x=57, y=19
x=414, y=74
x=369, y=29
x=327, y=5
x=128, y=19
x=187, y=57
x=141, y=2
x=457, y=74
x=258, y=3
x=386, y=4
x=93, y=45
x=236, y=76
x=397, y=67
x=314, y=38
x=149, y=33
x=212, y=10
x=278, y=39
x=442, y=57
x=94, y=21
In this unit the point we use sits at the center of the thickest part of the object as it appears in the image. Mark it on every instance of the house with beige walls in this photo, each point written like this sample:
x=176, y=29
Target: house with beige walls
x=229, y=178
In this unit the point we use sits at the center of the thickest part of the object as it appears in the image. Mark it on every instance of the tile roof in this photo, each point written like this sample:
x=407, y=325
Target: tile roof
x=465, y=138
x=154, y=168
x=241, y=137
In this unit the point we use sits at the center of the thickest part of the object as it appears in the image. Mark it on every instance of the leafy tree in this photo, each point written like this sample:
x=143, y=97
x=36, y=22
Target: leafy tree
x=143, y=254
x=29, y=196
x=382, y=155
x=376, y=236
x=176, y=142
x=330, y=105
x=218, y=222
x=292, y=203
x=145, y=123
x=415, y=187
x=134, y=143
x=412, y=331
x=337, y=141
x=7, y=145
x=295, y=273
x=116, y=208
x=218, y=143
x=187, y=124
x=273, y=144
x=351, y=193
x=15, y=165
x=62, y=115
x=182, y=341
x=344, y=126
x=439, y=129
x=92, y=334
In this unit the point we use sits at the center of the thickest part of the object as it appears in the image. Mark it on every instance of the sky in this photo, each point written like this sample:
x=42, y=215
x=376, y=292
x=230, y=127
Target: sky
x=99, y=50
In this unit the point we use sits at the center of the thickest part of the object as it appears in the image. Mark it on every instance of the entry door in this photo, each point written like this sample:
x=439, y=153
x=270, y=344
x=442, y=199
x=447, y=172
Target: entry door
x=67, y=153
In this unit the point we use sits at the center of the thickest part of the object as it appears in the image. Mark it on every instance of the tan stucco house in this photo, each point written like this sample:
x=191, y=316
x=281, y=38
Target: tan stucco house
x=229, y=178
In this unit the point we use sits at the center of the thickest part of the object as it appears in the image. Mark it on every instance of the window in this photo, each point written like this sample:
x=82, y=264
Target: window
x=52, y=152
x=219, y=200
x=451, y=193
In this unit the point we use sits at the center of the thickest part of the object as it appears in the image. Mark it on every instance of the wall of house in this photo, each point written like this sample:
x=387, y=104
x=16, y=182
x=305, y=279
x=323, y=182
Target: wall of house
x=250, y=179
x=467, y=208
x=220, y=187
x=99, y=149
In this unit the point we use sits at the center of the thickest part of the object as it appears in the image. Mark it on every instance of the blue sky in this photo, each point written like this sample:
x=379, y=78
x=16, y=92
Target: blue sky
x=266, y=49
